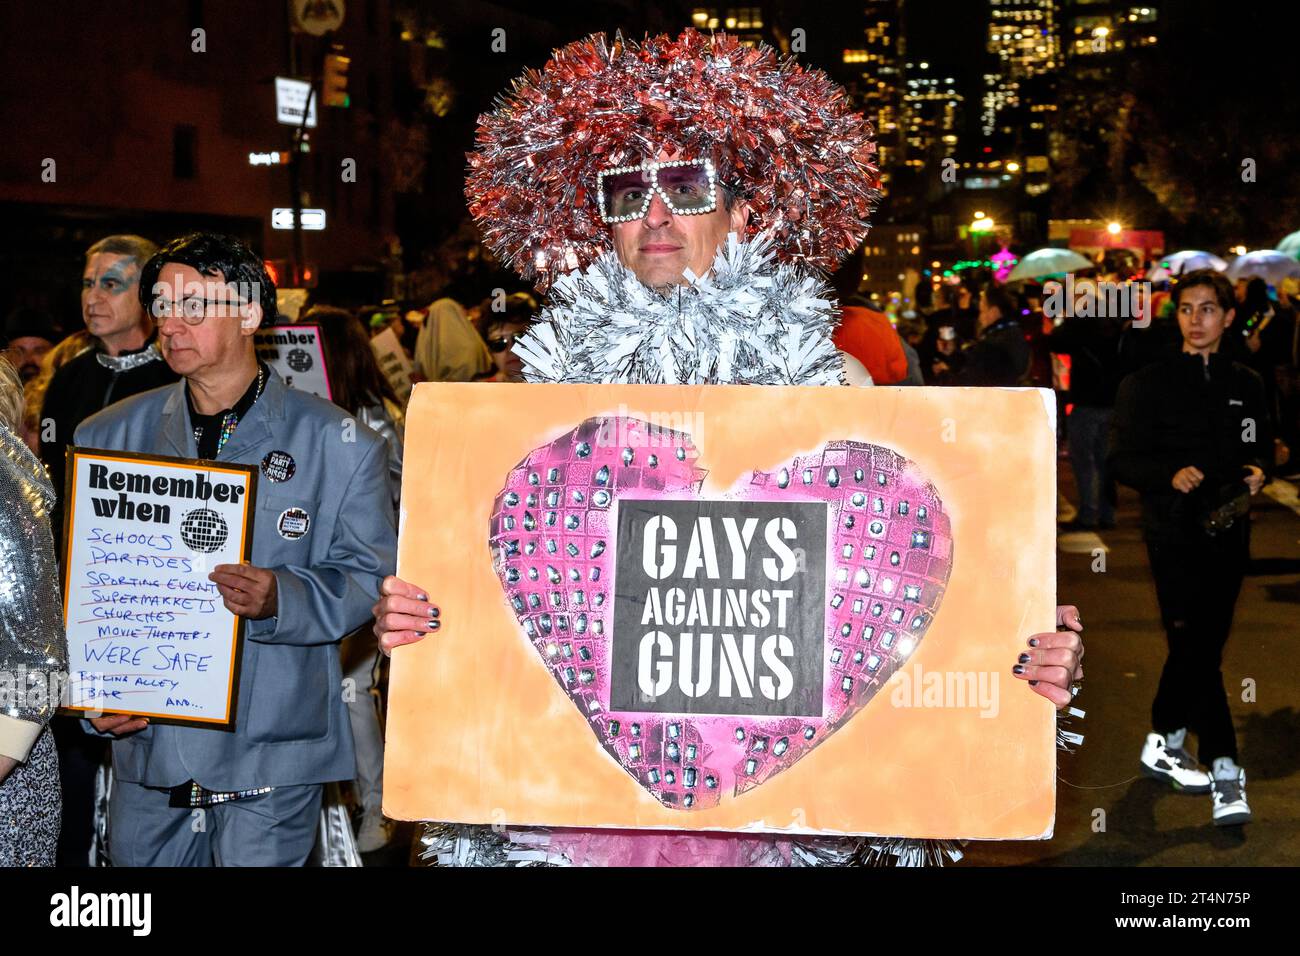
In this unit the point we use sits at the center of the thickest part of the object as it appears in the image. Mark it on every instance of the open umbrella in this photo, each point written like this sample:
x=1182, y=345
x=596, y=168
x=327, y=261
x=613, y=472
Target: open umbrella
x=1269, y=264
x=1047, y=262
x=1290, y=245
x=1191, y=259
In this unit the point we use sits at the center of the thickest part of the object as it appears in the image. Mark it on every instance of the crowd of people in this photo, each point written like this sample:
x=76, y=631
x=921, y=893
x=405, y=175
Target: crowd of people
x=167, y=365
x=131, y=344
x=1117, y=372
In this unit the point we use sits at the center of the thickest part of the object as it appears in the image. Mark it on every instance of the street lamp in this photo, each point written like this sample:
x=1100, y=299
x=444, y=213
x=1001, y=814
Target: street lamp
x=1114, y=228
x=1013, y=167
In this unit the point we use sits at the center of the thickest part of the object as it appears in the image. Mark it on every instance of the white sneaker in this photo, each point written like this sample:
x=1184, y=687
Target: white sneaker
x=1229, y=796
x=376, y=831
x=1174, y=766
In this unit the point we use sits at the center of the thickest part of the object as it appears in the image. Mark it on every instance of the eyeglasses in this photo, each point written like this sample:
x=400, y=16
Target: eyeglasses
x=688, y=187
x=192, y=310
x=500, y=343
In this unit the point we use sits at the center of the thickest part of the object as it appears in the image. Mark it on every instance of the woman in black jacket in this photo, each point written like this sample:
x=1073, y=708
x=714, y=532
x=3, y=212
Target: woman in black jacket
x=1192, y=434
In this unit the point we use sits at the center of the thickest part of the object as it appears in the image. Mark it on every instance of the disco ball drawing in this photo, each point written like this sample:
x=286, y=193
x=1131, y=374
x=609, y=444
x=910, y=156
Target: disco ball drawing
x=204, y=530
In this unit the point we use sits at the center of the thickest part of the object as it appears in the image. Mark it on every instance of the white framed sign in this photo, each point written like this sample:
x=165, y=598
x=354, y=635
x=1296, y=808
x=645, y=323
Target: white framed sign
x=148, y=633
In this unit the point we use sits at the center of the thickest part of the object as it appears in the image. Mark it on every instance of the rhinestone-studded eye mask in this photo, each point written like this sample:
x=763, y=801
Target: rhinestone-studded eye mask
x=883, y=566
x=687, y=186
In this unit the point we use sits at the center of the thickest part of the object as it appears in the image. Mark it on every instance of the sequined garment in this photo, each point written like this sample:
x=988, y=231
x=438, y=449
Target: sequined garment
x=33, y=653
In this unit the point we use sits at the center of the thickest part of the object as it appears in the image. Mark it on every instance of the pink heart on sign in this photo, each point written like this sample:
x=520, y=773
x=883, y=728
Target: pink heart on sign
x=888, y=558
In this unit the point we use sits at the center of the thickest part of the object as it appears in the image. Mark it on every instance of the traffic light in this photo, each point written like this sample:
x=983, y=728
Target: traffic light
x=334, y=86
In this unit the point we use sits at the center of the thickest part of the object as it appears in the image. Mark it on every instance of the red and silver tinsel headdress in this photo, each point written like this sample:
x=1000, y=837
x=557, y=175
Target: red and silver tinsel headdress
x=782, y=136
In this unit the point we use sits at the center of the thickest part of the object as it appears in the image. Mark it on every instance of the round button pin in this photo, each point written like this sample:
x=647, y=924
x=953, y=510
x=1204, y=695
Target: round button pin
x=278, y=466
x=293, y=523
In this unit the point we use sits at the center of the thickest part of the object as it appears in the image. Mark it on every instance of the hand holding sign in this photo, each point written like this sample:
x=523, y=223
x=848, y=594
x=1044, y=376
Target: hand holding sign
x=246, y=590
x=402, y=614
x=1056, y=658
x=119, y=725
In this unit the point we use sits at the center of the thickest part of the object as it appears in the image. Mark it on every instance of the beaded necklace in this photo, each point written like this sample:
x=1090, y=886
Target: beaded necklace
x=230, y=420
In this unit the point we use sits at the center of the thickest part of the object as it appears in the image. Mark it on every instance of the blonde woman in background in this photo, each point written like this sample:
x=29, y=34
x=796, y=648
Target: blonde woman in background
x=34, y=394
x=33, y=654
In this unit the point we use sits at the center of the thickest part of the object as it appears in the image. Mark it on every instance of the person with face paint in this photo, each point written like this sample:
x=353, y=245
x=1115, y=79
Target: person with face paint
x=124, y=361
x=324, y=535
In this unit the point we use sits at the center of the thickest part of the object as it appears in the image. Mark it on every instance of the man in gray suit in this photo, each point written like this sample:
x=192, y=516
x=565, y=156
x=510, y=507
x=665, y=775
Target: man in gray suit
x=315, y=571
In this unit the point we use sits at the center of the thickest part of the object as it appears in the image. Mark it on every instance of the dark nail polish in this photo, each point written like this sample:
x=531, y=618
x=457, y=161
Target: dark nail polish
x=1033, y=642
x=1033, y=683
x=1018, y=669
x=1024, y=658
x=434, y=613
x=423, y=597
x=434, y=625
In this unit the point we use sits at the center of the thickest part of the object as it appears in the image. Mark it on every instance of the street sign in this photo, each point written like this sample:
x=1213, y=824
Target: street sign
x=313, y=220
x=317, y=17
x=290, y=95
x=268, y=159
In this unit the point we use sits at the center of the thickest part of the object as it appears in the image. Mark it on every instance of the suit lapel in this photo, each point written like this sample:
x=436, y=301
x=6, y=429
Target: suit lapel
x=176, y=430
x=255, y=429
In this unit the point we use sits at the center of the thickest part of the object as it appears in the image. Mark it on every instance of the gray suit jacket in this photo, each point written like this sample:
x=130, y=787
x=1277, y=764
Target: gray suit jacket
x=291, y=725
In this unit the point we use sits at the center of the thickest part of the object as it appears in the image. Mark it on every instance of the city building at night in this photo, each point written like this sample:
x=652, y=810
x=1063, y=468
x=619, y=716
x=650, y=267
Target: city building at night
x=931, y=108
x=186, y=137
x=1024, y=42
x=747, y=23
x=877, y=64
x=1096, y=28
x=892, y=260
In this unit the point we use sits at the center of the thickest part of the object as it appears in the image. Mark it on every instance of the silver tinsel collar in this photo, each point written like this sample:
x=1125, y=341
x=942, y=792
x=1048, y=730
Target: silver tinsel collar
x=124, y=363
x=460, y=844
x=749, y=321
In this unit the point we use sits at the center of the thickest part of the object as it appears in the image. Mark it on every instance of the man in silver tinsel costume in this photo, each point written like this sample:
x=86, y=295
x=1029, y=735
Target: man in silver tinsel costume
x=33, y=655
x=681, y=200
